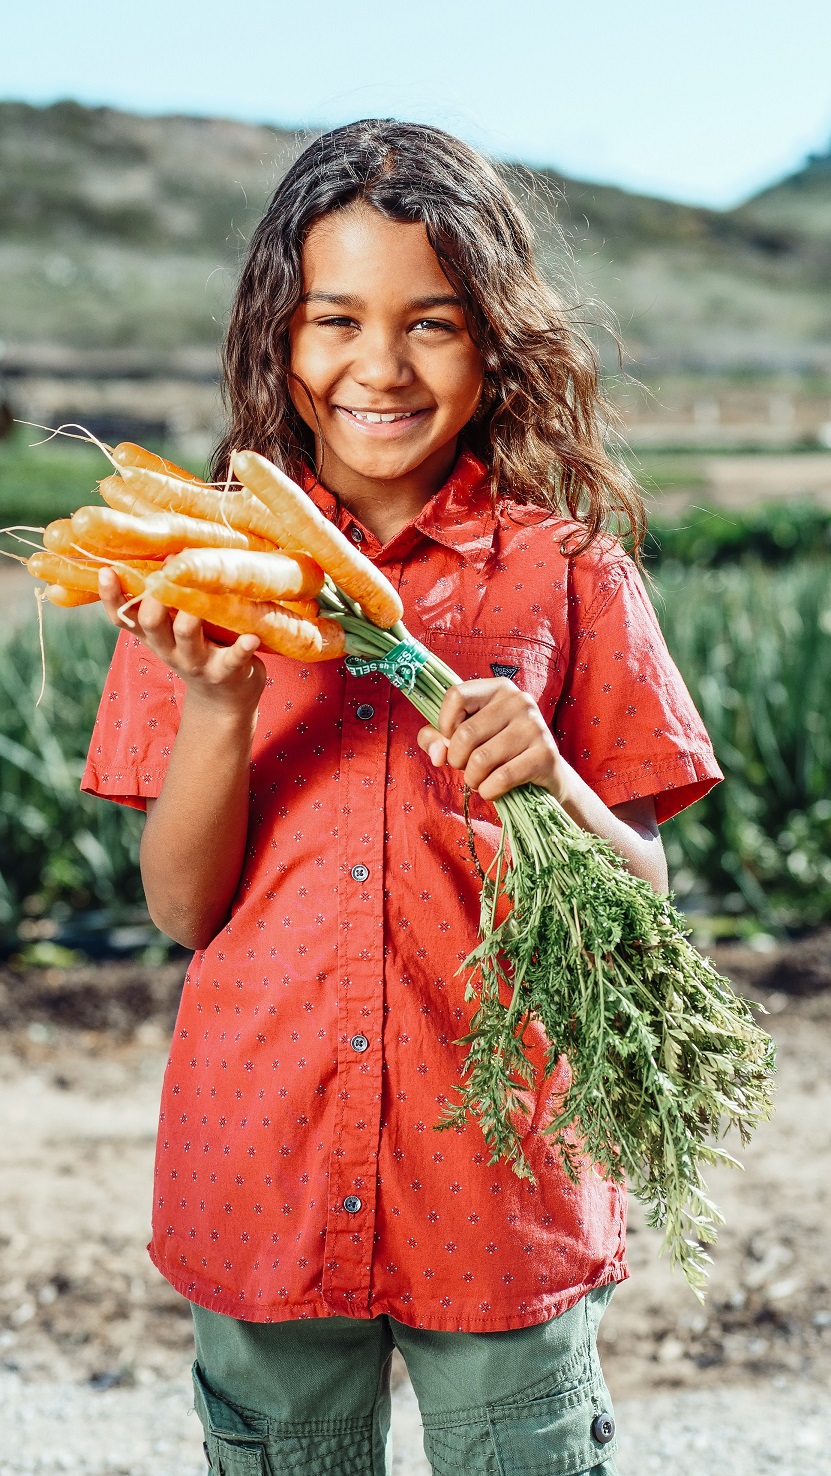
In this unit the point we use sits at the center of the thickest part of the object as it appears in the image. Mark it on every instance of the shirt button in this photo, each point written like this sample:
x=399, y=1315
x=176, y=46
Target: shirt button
x=352, y=1204
x=360, y=873
x=356, y=534
x=365, y=711
x=359, y=1043
x=603, y=1428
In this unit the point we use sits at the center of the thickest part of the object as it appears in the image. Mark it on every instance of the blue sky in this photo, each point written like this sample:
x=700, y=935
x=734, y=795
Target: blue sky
x=703, y=102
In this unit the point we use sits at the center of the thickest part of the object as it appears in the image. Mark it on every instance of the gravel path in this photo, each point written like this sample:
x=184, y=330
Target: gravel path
x=152, y=1431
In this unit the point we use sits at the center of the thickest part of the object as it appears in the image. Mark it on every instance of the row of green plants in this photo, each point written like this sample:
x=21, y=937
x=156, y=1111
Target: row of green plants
x=61, y=852
x=753, y=643
x=771, y=533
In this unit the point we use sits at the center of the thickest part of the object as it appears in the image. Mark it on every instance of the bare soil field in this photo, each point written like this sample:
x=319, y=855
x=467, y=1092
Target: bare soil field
x=88, y=1327
x=739, y=482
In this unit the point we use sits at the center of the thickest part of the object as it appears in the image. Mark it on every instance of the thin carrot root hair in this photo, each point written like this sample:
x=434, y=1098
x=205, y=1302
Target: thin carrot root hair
x=128, y=605
x=67, y=431
x=224, y=496
x=39, y=598
x=14, y=532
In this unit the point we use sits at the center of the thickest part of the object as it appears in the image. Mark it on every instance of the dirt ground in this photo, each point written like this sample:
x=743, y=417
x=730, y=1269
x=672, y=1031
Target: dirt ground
x=81, y=1057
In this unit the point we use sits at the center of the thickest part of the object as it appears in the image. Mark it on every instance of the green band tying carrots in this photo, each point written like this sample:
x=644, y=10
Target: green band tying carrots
x=401, y=665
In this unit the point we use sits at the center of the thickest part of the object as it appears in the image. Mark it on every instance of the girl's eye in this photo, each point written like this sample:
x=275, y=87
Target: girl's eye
x=433, y=324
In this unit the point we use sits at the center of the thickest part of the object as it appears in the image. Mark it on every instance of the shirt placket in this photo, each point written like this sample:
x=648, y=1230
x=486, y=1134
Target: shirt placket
x=353, y=1165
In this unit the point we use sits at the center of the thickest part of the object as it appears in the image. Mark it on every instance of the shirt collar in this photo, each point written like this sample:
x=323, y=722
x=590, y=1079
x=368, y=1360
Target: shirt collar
x=460, y=515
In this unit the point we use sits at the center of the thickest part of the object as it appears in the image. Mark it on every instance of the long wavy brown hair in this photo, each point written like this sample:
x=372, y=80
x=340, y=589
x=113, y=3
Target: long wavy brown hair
x=541, y=428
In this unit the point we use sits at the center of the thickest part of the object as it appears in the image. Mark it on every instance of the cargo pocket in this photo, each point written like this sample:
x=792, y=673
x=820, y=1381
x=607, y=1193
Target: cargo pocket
x=565, y=1434
x=234, y=1439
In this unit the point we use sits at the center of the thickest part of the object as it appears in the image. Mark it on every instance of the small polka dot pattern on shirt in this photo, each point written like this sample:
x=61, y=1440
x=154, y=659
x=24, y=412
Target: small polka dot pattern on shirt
x=298, y=1169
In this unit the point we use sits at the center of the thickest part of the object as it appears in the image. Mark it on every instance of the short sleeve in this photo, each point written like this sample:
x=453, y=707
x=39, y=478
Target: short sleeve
x=137, y=722
x=625, y=720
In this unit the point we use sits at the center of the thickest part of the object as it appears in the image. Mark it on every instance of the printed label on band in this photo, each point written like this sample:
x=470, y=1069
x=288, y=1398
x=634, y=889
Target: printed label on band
x=401, y=665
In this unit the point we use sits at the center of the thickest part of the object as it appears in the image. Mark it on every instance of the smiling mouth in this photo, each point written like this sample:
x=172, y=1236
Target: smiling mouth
x=379, y=417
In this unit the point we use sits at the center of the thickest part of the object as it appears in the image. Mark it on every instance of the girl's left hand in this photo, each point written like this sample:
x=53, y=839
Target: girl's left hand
x=497, y=735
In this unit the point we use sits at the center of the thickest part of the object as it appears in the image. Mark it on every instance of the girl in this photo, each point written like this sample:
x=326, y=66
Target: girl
x=394, y=348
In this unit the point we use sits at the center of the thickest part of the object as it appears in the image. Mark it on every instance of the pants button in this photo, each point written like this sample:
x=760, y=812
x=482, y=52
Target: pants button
x=603, y=1428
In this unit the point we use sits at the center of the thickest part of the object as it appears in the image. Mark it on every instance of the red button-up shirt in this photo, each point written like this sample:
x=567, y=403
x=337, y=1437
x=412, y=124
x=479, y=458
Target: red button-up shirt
x=298, y=1172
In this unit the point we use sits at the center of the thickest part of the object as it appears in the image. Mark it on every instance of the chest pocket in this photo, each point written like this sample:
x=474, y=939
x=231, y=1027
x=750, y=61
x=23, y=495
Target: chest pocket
x=531, y=665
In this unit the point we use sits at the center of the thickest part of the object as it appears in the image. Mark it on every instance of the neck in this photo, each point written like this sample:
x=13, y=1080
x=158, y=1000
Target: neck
x=386, y=505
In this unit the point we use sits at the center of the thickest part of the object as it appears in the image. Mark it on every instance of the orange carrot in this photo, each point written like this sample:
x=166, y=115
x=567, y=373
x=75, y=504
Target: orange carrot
x=256, y=576
x=59, y=538
x=303, y=526
x=306, y=609
x=127, y=453
x=277, y=629
x=58, y=594
x=121, y=498
x=102, y=530
x=234, y=505
x=79, y=575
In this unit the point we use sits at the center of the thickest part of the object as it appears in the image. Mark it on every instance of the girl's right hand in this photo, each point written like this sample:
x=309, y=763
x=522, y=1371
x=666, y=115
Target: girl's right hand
x=226, y=676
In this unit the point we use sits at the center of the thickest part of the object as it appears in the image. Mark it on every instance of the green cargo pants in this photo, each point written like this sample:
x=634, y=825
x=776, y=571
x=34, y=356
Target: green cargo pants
x=312, y=1397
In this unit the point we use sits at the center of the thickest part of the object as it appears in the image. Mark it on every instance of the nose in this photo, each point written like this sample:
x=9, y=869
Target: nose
x=381, y=361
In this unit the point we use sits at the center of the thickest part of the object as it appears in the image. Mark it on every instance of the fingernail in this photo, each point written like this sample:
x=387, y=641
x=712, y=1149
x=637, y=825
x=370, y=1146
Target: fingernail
x=437, y=751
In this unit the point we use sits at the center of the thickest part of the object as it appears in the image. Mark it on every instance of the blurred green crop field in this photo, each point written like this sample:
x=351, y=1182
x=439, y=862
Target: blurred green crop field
x=41, y=482
x=754, y=645
x=60, y=849
x=752, y=641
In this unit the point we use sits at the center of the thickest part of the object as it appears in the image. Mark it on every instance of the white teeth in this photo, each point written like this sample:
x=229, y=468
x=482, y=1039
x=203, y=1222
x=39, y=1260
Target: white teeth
x=373, y=418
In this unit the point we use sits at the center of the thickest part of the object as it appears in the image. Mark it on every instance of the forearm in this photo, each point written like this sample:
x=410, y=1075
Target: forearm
x=194, y=841
x=638, y=843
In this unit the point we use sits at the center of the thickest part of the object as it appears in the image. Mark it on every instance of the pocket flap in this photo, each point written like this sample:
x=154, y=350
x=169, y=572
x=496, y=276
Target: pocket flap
x=557, y=1435
x=234, y=1443
x=229, y=1458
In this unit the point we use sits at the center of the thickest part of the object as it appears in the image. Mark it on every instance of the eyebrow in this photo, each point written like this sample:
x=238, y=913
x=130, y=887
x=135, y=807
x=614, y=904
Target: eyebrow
x=417, y=304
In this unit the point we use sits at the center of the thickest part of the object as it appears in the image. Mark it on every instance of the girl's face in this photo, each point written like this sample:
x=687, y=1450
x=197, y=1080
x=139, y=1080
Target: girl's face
x=380, y=333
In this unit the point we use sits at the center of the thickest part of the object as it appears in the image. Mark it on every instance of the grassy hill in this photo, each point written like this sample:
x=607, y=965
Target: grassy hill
x=126, y=232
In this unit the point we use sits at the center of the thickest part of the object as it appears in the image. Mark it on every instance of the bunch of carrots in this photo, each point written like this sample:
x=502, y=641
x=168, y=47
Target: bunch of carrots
x=249, y=558
x=664, y=1056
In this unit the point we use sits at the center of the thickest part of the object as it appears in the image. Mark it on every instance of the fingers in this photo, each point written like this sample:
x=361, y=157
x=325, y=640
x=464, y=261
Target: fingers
x=473, y=713
x=176, y=637
x=511, y=764
x=112, y=595
x=496, y=735
x=145, y=617
x=434, y=745
x=236, y=658
x=469, y=697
